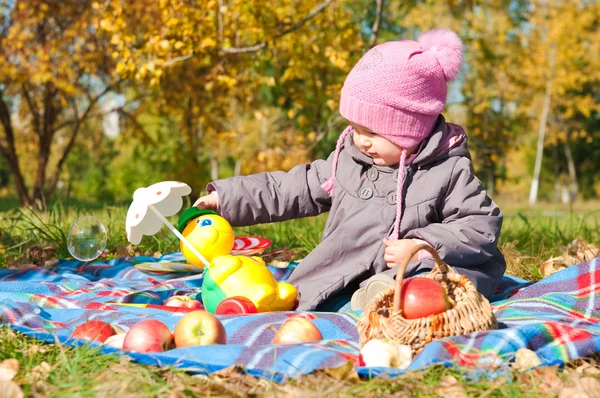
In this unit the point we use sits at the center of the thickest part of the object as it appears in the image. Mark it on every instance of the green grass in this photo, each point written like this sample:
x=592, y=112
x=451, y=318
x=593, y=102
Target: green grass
x=532, y=236
x=528, y=238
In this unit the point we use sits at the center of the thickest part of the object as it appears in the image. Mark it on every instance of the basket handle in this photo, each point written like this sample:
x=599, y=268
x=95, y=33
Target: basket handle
x=442, y=266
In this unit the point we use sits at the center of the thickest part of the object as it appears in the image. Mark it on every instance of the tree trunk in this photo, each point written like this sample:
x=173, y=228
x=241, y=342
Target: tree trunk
x=237, y=168
x=7, y=148
x=13, y=164
x=535, y=182
x=556, y=174
x=214, y=168
x=39, y=199
x=573, y=186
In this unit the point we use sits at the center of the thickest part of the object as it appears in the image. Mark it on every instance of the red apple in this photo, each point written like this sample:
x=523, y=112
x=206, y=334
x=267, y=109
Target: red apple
x=199, y=328
x=183, y=301
x=148, y=336
x=297, y=330
x=94, y=330
x=422, y=297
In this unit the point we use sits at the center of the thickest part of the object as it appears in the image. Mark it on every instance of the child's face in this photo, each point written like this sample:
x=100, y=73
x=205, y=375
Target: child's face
x=380, y=149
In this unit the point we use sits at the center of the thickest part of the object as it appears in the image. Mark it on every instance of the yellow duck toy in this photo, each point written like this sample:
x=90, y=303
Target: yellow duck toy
x=232, y=284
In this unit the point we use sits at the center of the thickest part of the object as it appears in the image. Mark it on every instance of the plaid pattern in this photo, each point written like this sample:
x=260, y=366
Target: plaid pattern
x=556, y=317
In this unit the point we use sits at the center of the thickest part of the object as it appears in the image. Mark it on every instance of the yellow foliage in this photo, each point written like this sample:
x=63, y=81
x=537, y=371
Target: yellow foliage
x=210, y=67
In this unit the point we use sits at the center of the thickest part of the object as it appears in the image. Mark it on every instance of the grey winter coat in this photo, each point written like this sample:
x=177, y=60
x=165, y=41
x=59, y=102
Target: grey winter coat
x=444, y=205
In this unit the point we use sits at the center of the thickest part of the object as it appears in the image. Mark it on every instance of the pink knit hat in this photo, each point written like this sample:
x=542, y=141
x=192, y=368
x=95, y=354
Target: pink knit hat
x=397, y=90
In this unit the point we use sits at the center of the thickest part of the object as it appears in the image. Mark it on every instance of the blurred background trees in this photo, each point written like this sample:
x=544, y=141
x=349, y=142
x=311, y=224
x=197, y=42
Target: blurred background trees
x=100, y=97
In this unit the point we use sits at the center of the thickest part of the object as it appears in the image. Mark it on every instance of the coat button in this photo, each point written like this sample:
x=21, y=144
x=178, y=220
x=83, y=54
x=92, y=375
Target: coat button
x=373, y=174
x=395, y=175
x=365, y=193
x=392, y=197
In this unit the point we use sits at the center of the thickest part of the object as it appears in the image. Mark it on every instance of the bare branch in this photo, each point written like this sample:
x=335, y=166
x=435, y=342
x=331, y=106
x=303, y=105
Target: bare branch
x=71, y=122
x=67, y=150
x=313, y=13
x=242, y=50
x=138, y=126
x=376, y=24
x=259, y=46
x=37, y=124
x=220, y=22
x=179, y=59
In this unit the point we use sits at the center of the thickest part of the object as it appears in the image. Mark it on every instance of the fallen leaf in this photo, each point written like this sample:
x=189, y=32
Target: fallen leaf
x=448, y=381
x=574, y=253
x=556, y=264
x=229, y=371
x=283, y=256
x=580, y=387
x=34, y=349
x=10, y=389
x=345, y=372
x=41, y=371
x=12, y=263
x=39, y=255
x=581, y=249
x=202, y=377
x=51, y=263
x=550, y=382
x=8, y=369
x=122, y=251
x=526, y=359
x=450, y=388
x=587, y=369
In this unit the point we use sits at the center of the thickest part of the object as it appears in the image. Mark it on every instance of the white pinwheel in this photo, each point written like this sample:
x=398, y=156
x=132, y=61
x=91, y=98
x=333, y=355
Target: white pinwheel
x=163, y=199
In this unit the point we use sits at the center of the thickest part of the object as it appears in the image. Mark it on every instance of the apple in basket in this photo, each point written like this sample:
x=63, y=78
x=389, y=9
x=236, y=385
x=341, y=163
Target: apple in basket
x=183, y=301
x=199, y=328
x=422, y=297
x=297, y=330
x=148, y=336
x=94, y=330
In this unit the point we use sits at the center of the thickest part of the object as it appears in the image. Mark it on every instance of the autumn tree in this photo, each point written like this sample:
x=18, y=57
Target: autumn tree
x=54, y=69
x=221, y=70
x=491, y=84
x=560, y=59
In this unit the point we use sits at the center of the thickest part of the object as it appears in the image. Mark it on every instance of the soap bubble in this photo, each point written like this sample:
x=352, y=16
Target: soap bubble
x=86, y=239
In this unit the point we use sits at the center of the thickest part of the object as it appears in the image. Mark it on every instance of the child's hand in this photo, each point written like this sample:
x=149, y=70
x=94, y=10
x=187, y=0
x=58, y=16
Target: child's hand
x=210, y=201
x=397, y=250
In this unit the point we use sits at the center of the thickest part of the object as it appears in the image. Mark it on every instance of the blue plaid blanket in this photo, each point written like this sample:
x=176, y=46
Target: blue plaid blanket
x=556, y=317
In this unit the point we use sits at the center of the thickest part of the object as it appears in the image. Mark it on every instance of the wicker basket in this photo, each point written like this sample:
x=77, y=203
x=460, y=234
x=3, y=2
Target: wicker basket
x=382, y=317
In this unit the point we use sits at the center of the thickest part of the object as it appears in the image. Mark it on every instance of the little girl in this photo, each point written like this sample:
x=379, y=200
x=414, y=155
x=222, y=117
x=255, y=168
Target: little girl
x=400, y=175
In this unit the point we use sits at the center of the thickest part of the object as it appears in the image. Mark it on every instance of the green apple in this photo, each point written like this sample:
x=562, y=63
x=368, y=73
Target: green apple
x=199, y=328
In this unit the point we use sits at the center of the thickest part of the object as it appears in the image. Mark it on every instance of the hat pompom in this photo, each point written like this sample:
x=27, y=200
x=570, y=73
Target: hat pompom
x=448, y=48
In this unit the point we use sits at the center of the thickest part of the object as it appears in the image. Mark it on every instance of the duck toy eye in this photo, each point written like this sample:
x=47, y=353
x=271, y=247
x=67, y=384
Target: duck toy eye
x=204, y=223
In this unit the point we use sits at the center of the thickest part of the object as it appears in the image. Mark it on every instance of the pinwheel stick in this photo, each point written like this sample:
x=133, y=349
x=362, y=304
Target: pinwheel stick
x=178, y=234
